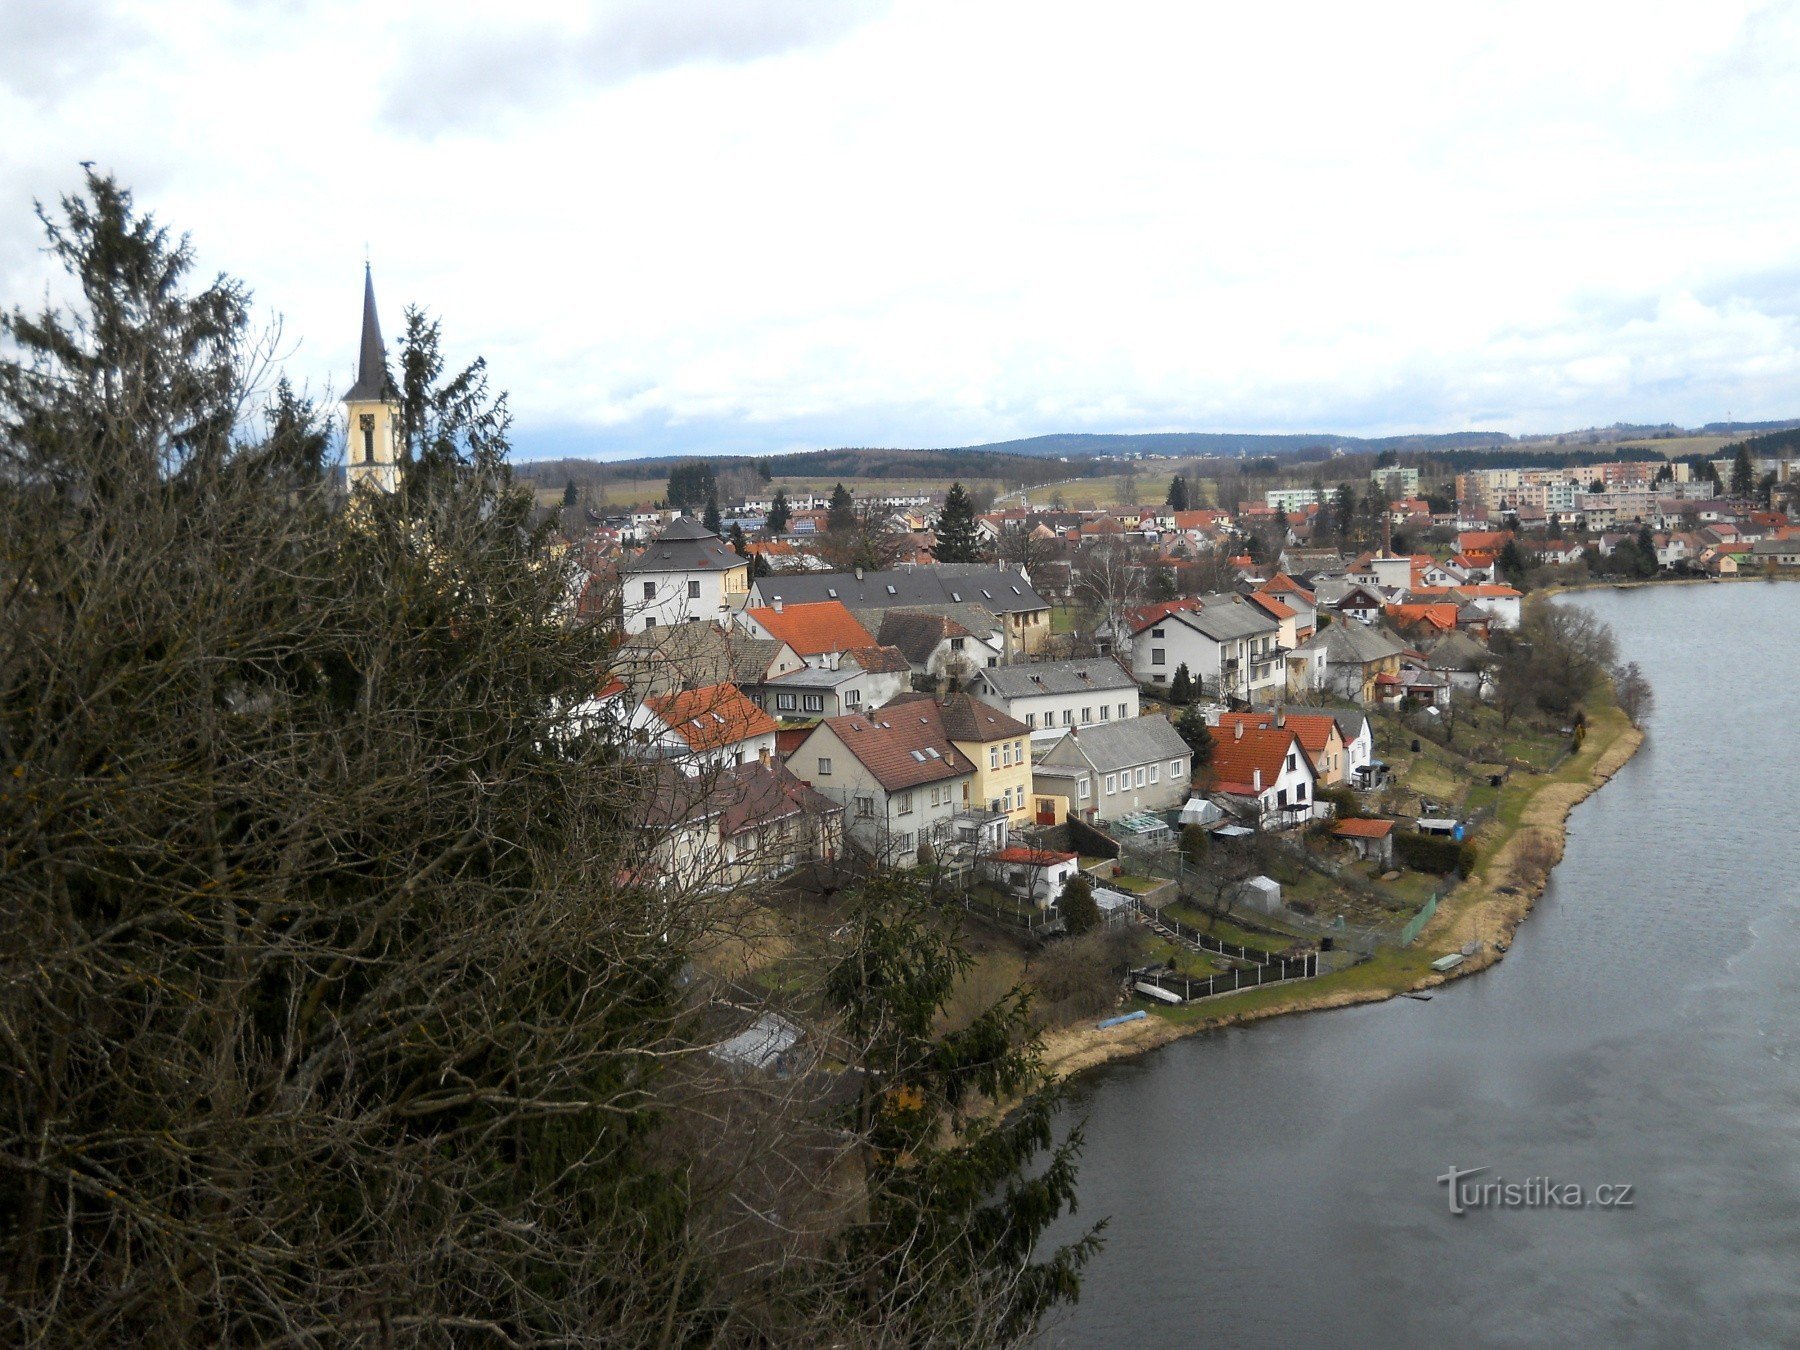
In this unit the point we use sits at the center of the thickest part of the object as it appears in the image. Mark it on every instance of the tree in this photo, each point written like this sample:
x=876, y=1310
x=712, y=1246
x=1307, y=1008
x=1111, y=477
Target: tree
x=1181, y=687
x=841, y=514
x=1196, y=844
x=1743, y=473
x=1194, y=730
x=1345, y=511
x=1632, y=689
x=739, y=544
x=1512, y=564
x=710, y=517
x=1177, y=498
x=571, y=494
x=1111, y=585
x=1079, y=912
x=868, y=541
x=691, y=484
x=1665, y=473
x=957, y=540
x=779, y=513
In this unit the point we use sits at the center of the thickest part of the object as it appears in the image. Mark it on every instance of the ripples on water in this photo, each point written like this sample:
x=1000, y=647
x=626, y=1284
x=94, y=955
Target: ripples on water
x=1274, y=1184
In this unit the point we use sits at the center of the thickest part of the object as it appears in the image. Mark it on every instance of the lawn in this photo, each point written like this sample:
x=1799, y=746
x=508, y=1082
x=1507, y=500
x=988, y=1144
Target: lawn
x=1136, y=885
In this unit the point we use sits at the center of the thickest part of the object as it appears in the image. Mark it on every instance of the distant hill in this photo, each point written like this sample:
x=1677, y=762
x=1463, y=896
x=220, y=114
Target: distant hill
x=1231, y=444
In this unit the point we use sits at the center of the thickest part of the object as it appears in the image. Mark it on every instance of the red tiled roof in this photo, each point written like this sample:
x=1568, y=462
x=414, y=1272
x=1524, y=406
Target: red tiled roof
x=1031, y=857
x=902, y=747
x=1145, y=615
x=711, y=716
x=1270, y=605
x=1356, y=828
x=813, y=629
x=1439, y=616
x=1282, y=584
x=1239, y=753
x=1313, y=729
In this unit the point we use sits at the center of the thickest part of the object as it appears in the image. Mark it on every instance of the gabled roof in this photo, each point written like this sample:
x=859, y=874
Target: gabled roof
x=879, y=660
x=1002, y=590
x=1057, y=677
x=1227, y=618
x=1269, y=605
x=916, y=634
x=1313, y=729
x=1282, y=584
x=1359, y=828
x=1352, y=643
x=685, y=545
x=813, y=629
x=1243, y=752
x=902, y=748
x=966, y=719
x=1110, y=746
x=712, y=716
x=1459, y=651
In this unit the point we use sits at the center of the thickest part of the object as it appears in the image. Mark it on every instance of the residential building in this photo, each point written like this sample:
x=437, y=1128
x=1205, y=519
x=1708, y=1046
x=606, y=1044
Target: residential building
x=686, y=574
x=691, y=655
x=1357, y=658
x=1317, y=732
x=818, y=631
x=734, y=827
x=1267, y=770
x=862, y=678
x=1394, y=482
x=712, y=727
x=1035, y=873
x=1117, y=769
x=1008, y=593
x=998, y=745
x=938, y=647
x=1050, y=697
x=1229, y=644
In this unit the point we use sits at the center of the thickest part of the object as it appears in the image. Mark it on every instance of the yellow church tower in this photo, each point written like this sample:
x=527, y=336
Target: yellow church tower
x=372, y=409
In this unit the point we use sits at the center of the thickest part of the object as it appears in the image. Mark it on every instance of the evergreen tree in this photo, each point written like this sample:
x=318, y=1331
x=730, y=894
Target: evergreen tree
x=1194, y=730
x=690, y=485
x=1512, y=564
x=1177, y=500
x=739, y=544
x=710, y=517
x=571, y=494
x=1345, y=510
x=841, y=513
x=779, y=513
x=1181, y=688
x=759, y=566
x=1076, y=905
x=1743, y=473
x=957, y=540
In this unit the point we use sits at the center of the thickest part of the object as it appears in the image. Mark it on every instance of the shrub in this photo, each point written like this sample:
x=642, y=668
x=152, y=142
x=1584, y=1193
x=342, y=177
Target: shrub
x=1079, y=912
x=1434, y=853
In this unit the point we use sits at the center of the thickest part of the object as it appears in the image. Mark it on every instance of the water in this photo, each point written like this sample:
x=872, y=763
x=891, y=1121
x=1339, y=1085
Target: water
x=1276, y=1184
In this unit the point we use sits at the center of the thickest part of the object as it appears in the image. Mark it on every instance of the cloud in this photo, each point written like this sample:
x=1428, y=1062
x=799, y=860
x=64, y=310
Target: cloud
x=470, y=74
x=53, y=47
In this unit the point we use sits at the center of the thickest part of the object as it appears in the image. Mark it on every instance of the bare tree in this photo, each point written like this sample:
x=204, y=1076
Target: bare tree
x=1632, y=688
x=1111, y=585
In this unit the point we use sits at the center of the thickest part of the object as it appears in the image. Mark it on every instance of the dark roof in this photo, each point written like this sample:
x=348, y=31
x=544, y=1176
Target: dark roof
x=902, y=748
x=915, y=634
x=1124, y=744
x=1000, y=589
x=879, y=660
x=685, y=545
x=372, y=379
x=1057, y=677
x=966, y=718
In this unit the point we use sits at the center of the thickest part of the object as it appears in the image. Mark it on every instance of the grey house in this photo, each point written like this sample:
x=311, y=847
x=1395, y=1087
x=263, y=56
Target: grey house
x=1113, y=769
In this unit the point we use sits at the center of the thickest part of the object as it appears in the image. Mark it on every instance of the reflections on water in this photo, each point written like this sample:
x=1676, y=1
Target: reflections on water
x=1278, y=1183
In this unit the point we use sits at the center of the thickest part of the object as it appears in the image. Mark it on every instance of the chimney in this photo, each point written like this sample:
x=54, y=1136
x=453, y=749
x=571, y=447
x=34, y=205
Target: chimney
x=1280, y=720
x=1238, y=730
x=1255, y=775
x=777, y=604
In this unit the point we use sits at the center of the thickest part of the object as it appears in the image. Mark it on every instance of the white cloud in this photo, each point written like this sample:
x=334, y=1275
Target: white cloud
x=781, y=223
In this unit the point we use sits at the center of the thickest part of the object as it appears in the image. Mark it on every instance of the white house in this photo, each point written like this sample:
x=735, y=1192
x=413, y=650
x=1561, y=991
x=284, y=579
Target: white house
x=1268, y=768
x=712, y=727
x=1036, y=873
x=1051, y=696
x=1230, y=644
x=685, y=575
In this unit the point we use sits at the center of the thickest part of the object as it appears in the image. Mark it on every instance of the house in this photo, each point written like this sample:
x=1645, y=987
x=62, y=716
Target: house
x=712, y=727
x=1356, y=658
x=1359, y=740
x=901, y=782
x=1297, y=598
x=936, y=646
x=1117, y=768
x=998, y=745
x=1363, y=602
x=1502, y=602
x=817, y=631
x=1775, y=553
x=1318, y=732
x=1035, y=873
x=685, y=656
x=1008, y=593
x=1230, y=645
x=1268, y=770
x=685, y=575
x=1051, y=696
x=1373, y=840
x=1463, y=662
x=734, y=827
x=864, y=677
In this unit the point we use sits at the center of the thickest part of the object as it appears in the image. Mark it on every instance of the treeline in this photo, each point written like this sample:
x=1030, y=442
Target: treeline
x=1761, y=447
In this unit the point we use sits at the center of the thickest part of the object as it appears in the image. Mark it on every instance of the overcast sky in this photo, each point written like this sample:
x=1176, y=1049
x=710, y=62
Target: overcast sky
x=674, y=225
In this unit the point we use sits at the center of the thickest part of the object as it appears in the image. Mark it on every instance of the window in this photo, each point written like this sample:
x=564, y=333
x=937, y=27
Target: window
x=784, y=702
x=824, y=766
x=1156, y=773
x=812, y=702
x=1019, y=756
x=1300, y=793
x=367, y=423
x=993, y=661
x=1175, y=768
x=649, y=623
x=1105, y=712
x=1082, y=792
x=1087, y=715
x=904, y=841
x=1068, y=717
x=956, y=644
x=1031, y=721
x=993, y=758
x=649, y=590
x=903, y=804
x=693, y=590
x=865, y=807
x=1122, y=712
x=1156, y=656
x=1140, y=778
x=853, y=698
x=1112, y=782
x=1156, y=632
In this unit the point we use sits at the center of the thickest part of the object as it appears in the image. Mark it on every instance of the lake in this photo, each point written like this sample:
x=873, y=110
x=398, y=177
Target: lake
x=1278, y=1183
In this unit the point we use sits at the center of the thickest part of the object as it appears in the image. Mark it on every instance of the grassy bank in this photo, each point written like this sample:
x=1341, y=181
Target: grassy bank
x=1527, y=834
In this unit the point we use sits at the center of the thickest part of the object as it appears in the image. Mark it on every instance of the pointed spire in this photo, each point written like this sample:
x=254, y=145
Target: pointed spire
x=372, y=380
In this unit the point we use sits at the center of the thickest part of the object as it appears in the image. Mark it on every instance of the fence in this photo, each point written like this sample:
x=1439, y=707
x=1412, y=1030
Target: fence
x=1415, y=925
x=1205, y=941
x=1186, y=990
x=1032, y=919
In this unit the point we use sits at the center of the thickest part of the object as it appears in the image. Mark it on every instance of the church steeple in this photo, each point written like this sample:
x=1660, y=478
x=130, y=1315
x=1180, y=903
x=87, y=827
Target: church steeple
x=371, y=407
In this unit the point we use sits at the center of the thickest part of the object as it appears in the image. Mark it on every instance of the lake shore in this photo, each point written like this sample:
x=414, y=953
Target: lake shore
x=1486, y=908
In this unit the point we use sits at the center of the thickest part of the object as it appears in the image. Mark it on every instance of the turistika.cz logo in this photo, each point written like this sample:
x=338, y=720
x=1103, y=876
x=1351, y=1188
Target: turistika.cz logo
x=1497, y=1192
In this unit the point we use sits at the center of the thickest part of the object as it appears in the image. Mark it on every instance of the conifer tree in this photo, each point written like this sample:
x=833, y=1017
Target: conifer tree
x=841, y=514
x=957, y=540
x=571, y=494
x=1177, y=500
x=1743, y=473
x=1181, y=688
x=739, y=544
x=710, y=516
x=779, y=512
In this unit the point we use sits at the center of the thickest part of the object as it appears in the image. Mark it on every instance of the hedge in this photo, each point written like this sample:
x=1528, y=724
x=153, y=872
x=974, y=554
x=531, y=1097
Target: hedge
x=1435, y=853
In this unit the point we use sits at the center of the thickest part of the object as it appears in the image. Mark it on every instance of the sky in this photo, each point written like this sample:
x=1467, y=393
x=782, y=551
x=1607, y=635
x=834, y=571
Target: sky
x=736, y=226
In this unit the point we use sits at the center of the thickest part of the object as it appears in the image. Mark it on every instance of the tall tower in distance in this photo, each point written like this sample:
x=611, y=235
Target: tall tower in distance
x=372, y=409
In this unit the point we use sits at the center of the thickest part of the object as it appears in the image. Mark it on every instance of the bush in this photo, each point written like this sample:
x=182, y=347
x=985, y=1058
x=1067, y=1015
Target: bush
x=1195, y=843
x=1434, y=853
x=1348, y=804
x=1079, y=912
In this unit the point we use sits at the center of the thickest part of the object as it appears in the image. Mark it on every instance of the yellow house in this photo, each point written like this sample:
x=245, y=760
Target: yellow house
x=997, y=745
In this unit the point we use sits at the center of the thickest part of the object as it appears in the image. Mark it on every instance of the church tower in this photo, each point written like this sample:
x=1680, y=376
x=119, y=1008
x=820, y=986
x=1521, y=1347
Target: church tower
x=372, y=409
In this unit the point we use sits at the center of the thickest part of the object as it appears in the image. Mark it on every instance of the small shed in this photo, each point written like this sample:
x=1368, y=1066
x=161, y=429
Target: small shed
x=1035, y=873
x=1442, y=826
x=1263, y=894
x=1199, y=811
x=1373, y=840
x=1115, y=906
x=767, y=1044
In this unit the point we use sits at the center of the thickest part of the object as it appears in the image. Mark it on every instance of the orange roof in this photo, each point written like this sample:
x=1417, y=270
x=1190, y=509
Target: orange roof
x=1483, y=541
x=1270, y=605
x=1144, y=615
x=1282, y=584
x=813, y=629
x=1032, y=857
x=711, y=716
x=1246, y=751
x=1440, y=616
x=1477, y=591
x=1357, y=828
x=1313, y=730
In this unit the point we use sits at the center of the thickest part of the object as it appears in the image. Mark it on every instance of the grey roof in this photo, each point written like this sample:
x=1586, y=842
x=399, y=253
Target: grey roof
x=814, y=677
x=761, y=1044
x=1351, y=723
x=751, y=657
x=999, y=589
x=1459, y=651
x=1056, y=677
x=372, y=379
x=1110, y=746
x=685, y=545
x=1348, y=642
x=915, y=633
x=1226, y=620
